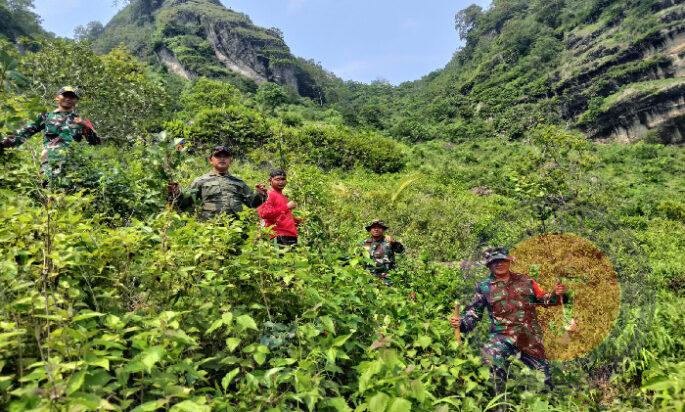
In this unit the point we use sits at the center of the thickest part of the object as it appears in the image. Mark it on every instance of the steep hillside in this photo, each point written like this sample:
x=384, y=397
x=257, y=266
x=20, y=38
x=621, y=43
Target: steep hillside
x=203, y=38
x=614, y=69
x=18, y=20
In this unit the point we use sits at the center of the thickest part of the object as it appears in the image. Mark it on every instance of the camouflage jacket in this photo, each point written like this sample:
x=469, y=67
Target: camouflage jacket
x=60, y=130
x=382, y=254
x=511, y=306
x=218, y=193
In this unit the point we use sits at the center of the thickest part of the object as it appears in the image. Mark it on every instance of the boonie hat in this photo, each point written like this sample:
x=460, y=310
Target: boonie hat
x=221, y=149
x=376, y=222
x=495, y=253
x=70, y=89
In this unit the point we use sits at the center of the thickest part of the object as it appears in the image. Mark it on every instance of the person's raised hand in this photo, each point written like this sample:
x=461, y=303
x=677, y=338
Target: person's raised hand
x=8, y=142
x=389, y=239
x=261, y=188
x=455, y=321
x=174, y=189
x=292, y=205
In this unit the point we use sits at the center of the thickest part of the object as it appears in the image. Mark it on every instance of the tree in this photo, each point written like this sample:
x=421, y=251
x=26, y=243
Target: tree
x=272, y=95
x=18, y=19
x=89, y=32
x=208, y=93
x=466, y=19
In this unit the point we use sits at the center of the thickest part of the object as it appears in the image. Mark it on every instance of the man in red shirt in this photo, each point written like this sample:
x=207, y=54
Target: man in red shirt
x=277, y=212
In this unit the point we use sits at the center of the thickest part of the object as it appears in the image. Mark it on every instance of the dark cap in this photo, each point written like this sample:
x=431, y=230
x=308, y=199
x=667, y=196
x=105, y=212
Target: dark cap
x=69, y=90
x=277, y=172
x=494, y=254
x=221, y=149
x=376, y=222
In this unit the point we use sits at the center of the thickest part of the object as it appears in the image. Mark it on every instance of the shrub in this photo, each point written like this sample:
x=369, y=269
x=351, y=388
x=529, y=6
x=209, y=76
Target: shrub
x=207, y=93
x=233, y=126
x=330, y=147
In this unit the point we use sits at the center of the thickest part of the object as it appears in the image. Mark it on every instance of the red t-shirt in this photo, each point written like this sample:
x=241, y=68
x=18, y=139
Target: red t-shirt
x=275, y=213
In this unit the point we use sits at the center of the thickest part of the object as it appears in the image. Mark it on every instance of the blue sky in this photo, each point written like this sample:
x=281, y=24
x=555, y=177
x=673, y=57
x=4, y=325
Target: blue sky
x=363, y=40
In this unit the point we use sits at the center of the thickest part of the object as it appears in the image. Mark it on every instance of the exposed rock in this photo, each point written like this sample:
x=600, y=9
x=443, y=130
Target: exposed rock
x=204, y=38
x=481, y=191
x=173, y=64
x=659, y=116
x=631, y=115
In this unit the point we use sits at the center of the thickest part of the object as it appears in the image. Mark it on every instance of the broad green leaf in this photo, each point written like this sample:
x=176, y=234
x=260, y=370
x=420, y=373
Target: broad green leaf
x=340, y=340
x=400, y=405
x=232, y=343
x=190, y=406
x=151, y=356
x=368, y=370
x=229, y=378
x=339, y=404
x=150, y=406
x=659, y=384
x=259, y=357
x=215, y=325
x=328, y=324
x=75, y=382
x=246, y=322
x=87, y=315
x=423, y=341
x=378, y=402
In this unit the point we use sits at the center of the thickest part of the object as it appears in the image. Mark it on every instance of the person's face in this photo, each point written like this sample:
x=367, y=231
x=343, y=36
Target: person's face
x=278, y=182
x=221, y=161
x=67, y=100
x=500, y=267
x=377, y=231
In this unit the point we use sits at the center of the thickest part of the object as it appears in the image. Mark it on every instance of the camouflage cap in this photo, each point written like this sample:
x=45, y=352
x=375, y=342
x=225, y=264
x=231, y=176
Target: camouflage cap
x=221, y=149
x=70, y=89
x=376, y=222
x=493, y=254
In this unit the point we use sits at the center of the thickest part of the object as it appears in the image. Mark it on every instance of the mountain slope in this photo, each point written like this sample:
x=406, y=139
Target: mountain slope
x=17, y=20
x=203, y=38
x=614, y=69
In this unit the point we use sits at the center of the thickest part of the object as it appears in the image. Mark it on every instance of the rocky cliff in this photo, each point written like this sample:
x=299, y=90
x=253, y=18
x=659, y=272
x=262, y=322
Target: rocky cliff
x=615, y=69
x=639, y=81
x=203, y=38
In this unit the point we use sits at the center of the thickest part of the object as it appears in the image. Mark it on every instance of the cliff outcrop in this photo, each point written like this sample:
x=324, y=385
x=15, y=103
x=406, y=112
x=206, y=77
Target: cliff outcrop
x=203, y=38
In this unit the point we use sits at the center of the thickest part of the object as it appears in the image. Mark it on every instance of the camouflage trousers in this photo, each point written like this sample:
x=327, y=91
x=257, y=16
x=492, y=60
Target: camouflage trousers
x=384, y=277
x=497, y=354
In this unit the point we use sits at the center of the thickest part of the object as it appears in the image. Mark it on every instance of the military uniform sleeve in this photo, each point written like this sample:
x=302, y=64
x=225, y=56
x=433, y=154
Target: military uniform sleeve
x=474, y=311
x=91, y=134
x=251, y=198
x=191, y=196
x=397, y=247
x=30, y=129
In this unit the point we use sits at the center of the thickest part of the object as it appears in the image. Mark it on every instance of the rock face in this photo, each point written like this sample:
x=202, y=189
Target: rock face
x=644, y=94
x=203, y=38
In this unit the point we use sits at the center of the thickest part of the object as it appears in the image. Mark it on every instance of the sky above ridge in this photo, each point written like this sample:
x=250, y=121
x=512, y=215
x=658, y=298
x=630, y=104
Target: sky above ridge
x=362, y=40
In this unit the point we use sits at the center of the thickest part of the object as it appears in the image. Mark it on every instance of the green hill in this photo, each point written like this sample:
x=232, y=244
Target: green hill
x=17, y=20
x=195, y=38
x=613, y=69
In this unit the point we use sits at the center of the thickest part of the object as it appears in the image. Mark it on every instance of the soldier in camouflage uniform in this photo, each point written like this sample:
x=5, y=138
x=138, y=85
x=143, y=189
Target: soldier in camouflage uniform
x=381, y=250
x=511, y=299
x=218, y=191
x=61, y=128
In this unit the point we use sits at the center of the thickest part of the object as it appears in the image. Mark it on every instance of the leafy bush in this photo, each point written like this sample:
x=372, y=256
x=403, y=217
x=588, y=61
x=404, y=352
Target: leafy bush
x=332, y=147
x=233, y=126
x=207, y=93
